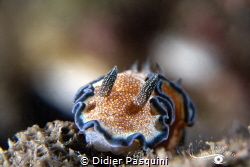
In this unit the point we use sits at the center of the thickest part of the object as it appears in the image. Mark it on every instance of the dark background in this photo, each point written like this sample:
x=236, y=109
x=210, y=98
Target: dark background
x=48, y=49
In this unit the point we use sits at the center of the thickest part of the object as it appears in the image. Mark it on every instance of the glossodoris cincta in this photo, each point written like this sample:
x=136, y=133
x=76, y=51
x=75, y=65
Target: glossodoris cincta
x=129, y=111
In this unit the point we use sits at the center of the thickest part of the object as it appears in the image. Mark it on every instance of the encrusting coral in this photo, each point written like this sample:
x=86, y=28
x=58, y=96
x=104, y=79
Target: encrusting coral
x=60, y=144
x=54, y=145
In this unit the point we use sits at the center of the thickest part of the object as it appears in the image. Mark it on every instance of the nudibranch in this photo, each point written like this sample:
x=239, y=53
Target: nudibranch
x=129, y=111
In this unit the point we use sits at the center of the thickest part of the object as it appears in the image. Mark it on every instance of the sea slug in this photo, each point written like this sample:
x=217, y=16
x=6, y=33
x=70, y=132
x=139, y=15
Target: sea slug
x=127, y=111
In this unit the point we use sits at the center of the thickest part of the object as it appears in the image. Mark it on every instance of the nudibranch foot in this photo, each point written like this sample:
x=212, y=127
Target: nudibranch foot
x=129, y=111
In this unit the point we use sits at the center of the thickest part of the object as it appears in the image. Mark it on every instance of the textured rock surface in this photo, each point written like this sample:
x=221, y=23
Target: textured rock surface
x=59, y=144
x=54, y=145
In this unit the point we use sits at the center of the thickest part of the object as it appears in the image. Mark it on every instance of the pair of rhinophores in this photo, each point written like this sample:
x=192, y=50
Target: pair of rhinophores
x=129, y=111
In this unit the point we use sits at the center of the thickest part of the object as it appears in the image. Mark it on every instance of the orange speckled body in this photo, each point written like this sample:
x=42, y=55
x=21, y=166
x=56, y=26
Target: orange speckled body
x=118, y=112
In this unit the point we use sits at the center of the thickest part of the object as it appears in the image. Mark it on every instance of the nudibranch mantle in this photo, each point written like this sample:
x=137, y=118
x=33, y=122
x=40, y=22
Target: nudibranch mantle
x=122, y=112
